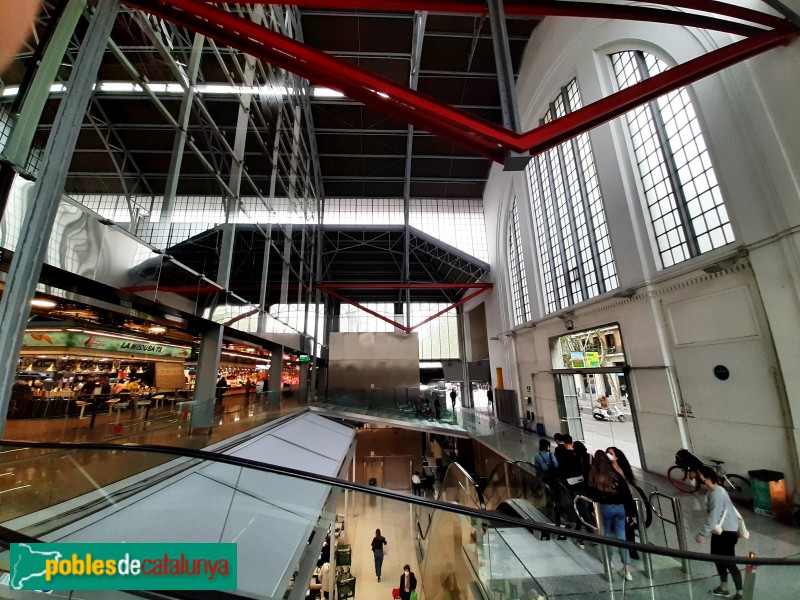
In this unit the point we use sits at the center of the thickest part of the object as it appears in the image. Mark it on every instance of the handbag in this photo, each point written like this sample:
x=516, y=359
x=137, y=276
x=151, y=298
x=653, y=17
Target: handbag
x=742, y=529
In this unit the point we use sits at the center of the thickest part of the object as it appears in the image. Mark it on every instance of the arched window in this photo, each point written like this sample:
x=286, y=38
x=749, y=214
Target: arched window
x=519, y=281
x=681, y=190
x=575, y=257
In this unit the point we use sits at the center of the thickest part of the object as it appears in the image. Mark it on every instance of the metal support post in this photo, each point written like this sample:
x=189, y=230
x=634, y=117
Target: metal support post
x=641, y=518
x=178, y=146
x=749, y=583
x=262, y=292
x=513, y=161
x=26, y=266
x=36, y=96
x=680, y=528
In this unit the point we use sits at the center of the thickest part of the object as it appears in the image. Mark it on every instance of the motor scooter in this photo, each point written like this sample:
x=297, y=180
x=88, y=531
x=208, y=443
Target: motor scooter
x=612, y=413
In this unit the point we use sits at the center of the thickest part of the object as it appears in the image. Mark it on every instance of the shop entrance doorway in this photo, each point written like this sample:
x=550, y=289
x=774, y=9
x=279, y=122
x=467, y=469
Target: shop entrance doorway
x=594, y=397
x=593, y=409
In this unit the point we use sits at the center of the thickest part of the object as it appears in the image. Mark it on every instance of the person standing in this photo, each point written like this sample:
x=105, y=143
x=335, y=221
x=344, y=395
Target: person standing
x=722, y=522
x=437, y=406
x=325, y=579
x=378, y=542
x=408, y=583
x=490, y=397
x=416, y=484
x=609, y=490
x=545, y=462
x=622, y=466
x=222, y=387
x=453, y=395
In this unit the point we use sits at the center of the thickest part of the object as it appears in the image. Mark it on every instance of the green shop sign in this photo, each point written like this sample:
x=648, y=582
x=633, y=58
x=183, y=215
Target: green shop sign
x=68, y=339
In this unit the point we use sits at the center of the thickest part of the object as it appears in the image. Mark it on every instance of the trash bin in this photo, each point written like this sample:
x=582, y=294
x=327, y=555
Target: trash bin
x=769, y=491
x=540, y=429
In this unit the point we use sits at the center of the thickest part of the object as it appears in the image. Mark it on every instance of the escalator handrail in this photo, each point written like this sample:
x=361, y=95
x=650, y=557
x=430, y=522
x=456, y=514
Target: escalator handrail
x=547, y=487
x=400, y=497
x=470, y=479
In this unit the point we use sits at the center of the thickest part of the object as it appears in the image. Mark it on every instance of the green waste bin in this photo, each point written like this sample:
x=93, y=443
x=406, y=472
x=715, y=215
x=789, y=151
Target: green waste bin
x=764, y=493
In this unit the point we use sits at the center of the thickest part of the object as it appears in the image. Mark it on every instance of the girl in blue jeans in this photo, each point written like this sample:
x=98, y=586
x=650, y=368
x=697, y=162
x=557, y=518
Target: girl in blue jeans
x=378, y=542
x=609, y=490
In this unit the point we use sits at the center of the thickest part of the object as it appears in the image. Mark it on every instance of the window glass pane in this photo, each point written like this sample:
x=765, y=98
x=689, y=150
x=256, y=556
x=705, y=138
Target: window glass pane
x=574, y=250
x=681, y=191
x=519, y=281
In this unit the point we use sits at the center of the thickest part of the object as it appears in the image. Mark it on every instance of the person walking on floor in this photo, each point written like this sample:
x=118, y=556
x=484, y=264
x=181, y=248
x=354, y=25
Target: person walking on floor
x=437, y=406
x=416, y=484
x=490, y=398
x=609, y=490
x=408, y=583
x=378, y=542
x=453, y=395
x=722, y=522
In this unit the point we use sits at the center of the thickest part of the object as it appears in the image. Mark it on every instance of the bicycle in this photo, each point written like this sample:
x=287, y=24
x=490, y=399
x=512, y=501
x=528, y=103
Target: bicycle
x=684, y=479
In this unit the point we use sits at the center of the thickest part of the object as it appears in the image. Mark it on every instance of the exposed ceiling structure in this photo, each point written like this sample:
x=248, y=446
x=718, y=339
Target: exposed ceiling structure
x=369, y=255
x=362, y=150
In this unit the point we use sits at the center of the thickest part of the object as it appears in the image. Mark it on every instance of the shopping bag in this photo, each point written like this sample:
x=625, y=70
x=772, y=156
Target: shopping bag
x=742, y=531
x=414, y=595
x=396, y=593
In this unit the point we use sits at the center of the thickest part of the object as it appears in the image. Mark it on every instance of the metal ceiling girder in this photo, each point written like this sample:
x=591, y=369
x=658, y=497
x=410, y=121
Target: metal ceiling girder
x=559, y=8
x=480, y=136
x=329, y=289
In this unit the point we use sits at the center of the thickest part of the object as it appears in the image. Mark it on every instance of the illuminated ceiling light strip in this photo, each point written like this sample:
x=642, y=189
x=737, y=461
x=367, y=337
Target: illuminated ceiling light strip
x=126, y=87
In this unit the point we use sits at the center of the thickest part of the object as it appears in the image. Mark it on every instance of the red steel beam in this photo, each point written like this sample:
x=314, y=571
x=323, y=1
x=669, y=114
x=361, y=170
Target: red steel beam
x=367, y=310
x=404, y=286
x=451, y=307
x=553, y=133
x=356, y=83
x=556, y=8
x=478, y=135
x=328, y=289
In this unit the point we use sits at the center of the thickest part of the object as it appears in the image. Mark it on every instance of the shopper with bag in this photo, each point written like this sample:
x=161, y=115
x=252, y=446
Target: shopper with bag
x=408, y=584
x=378, y=542
x=725, y=525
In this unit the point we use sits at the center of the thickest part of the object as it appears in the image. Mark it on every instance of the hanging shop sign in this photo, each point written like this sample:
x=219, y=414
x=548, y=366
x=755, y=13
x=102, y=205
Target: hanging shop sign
x=68, y=339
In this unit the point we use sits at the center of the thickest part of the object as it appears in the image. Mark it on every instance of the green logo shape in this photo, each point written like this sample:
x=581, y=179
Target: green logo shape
x=123, y=566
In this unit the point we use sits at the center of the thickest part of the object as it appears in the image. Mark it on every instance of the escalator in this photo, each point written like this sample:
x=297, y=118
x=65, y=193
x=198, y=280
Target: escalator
x=472, y=552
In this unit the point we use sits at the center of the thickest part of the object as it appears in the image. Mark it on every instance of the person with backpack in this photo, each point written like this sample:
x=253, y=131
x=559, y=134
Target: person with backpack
x=545, y=462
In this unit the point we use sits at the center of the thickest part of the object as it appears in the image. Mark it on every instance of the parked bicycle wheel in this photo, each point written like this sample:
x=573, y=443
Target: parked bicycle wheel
x=738, y=488
x=682, y=480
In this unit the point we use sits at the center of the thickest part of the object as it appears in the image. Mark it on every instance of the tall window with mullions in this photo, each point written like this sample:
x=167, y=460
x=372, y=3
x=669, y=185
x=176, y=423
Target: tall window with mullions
x=576, y=261
x=683, y=198
x=519, y=281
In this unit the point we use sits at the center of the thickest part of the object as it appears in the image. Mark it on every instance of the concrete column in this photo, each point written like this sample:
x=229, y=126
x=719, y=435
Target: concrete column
x=26, y=266
x=205, y=387
x=466, y=391
x=275, y=370
x=303, y=386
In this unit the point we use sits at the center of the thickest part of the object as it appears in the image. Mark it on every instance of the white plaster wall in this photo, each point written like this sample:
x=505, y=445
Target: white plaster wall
x=748, y=115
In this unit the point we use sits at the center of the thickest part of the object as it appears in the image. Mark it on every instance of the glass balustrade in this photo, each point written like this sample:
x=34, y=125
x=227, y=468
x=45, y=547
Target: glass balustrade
x=279, y=522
